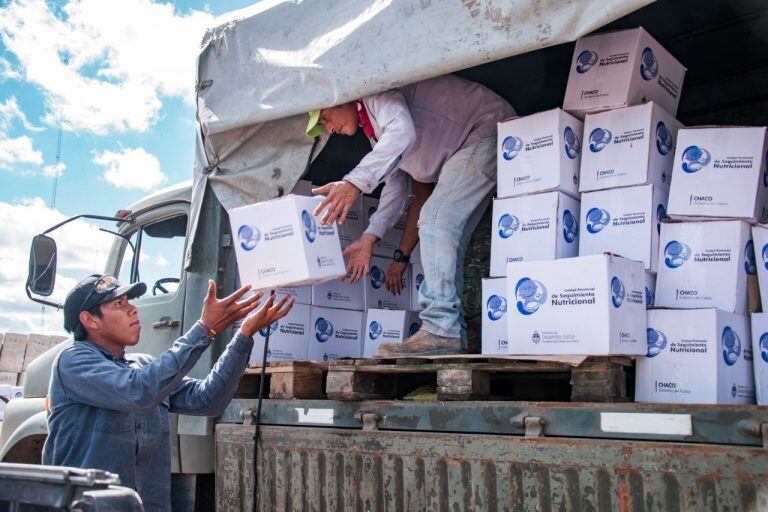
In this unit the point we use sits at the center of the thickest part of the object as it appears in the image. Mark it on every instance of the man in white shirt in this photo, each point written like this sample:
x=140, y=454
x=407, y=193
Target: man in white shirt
x=438, y=138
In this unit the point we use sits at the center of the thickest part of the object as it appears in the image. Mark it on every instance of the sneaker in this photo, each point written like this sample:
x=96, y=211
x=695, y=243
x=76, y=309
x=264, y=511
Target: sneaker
x=423, y=343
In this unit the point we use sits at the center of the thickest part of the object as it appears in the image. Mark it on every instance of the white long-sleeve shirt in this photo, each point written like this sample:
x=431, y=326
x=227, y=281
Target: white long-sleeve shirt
x=419, y=127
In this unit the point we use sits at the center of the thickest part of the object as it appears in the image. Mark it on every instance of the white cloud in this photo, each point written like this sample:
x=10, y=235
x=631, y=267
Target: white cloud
x=103, y=65
x=54, y=170
x=10, y=111
x=18, y=150
x=161, y=261
x=132, y=168
x=82, y=250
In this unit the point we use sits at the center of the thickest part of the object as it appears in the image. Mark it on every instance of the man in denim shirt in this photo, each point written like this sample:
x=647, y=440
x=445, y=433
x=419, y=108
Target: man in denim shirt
x=109, y=410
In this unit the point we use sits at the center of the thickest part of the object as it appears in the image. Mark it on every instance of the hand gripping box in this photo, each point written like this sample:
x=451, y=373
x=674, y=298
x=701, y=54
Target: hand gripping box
x=624, y=221
x=339, y=294
x=335, y=333
x=760, y=261
x=354, y=224
x=417, y=277
x=696, y=356
x=720, y=173
x=391, y=241
x=494, y=323
x=760, y=355
x=628, y=146
x=280, y=243
x=539, y=152
x=288, y=337
x=376, y=294
x=622, y=68
x=703, y=265
x=534, y=227
x=388, y=326
x=590, y=305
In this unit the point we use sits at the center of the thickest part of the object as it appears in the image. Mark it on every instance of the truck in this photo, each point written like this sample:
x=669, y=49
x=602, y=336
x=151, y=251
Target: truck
x=258, y=75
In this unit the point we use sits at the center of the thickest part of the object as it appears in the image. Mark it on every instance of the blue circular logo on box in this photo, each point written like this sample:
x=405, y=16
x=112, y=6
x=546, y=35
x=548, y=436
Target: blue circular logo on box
x=585, y=61
x=570, y=226
x=248, y=236
x=508, y=224
x=530, y=295
x=511, y=147
x=657, y=342
x=377, y=277
x=649, y=298
x=323, y=330
x=310, y=228
x=750, y=262
x=597, y=219
x=731, y=346
x=268, y=330
x=495, y=307
x=374, y=330
x=599, y=139
x=664, y=142
x=572, y=143
x=649, y=65
x=676, y=253
x=763, y=346
x=419, y=280
x=695, y=158
x=618, y=292
x=661, y=214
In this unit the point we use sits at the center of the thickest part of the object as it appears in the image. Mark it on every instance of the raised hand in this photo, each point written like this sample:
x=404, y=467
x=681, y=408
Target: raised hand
x=218, y=314
x=268, y=314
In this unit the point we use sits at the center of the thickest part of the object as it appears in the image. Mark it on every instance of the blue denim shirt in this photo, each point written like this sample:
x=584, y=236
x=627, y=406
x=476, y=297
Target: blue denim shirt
x=111, y=412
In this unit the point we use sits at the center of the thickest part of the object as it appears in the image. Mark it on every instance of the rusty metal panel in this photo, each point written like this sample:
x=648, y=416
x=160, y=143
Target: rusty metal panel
x=319, y=469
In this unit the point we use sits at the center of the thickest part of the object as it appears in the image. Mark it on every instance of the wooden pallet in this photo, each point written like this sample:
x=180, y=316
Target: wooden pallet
x=285, y=379
x=593, y=379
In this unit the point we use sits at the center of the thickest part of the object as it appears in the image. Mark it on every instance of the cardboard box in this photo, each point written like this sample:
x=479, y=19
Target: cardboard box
x=11, y=379
x=590, y=305
x=280, y=243
x=22, y=379
x=12, y=352
x=619, y=69
x=335, y=333
x=538, y=153
x=9, y=393
x=37, y=344
x=288, y=337
x=720, y=173
x=628, y=146
x=624, y=221
x=391, y=241
x=339, y=294
x=354, y=224
x=702, y=265
x=531, y=228
x=494, y=324
x=388, y=326
x=376, y=294
x=650, y=289
x=417, y=277
x=698, y=356
x=302, y=294
x=760, y=248
x=760, y=355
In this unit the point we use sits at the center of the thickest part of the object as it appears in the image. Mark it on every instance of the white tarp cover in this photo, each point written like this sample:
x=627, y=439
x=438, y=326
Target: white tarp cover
x=260, y=74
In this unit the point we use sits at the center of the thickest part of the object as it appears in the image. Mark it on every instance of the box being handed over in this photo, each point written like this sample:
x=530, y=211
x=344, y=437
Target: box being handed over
x=590, y=305
x=697, y=356
x=720, y=173
x=335, y=333
x=280, y=243
x=623, y=221
x=535, y=227
x=388, y=326
x=538, y=153
x=760, y=355
x=494, y=324
x=703, y=265
x=628, y=146
x=622, y=68
x=354, y=224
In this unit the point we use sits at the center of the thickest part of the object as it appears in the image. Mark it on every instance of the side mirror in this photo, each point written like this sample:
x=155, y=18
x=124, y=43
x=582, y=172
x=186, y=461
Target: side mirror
x=42, y=266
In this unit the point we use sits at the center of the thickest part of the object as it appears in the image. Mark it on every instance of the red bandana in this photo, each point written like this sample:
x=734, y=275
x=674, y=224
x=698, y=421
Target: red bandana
x=365, y=121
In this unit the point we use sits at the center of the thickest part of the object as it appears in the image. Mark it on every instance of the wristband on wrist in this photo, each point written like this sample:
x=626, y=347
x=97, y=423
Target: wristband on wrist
x=207, y=328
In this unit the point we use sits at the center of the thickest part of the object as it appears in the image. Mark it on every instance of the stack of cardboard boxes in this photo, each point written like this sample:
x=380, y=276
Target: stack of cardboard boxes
x=633, y=165
x=331, y=318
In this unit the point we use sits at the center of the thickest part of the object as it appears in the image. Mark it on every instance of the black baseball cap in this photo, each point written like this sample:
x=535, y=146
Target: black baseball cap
x=94, y=290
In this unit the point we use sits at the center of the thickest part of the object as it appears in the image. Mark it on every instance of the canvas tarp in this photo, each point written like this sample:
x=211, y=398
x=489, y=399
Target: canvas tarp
x=259, y=74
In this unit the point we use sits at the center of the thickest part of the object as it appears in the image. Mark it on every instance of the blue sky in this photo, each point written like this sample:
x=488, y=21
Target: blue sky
x=117, y=77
